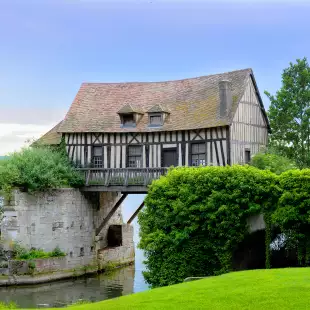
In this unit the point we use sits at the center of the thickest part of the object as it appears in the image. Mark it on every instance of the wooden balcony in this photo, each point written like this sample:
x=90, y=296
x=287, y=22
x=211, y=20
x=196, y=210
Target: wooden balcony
x=126, y=180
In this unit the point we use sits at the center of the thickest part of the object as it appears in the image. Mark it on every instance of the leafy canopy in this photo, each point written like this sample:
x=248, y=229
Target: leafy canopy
x=273, y=162
x=289, y=114
x=37, y=169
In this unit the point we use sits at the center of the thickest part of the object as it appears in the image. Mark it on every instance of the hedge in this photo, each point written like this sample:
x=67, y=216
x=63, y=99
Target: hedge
x=195, y=218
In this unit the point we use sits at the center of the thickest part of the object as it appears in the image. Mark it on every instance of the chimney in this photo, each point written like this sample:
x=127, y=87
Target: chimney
x=225, y=98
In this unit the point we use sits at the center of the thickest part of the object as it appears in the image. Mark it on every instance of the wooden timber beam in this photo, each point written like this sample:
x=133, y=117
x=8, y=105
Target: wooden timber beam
x=136, y=213
x=113, y=210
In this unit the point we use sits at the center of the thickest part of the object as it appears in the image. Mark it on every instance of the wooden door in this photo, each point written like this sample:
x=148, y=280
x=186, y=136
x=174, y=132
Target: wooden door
x=169, y=157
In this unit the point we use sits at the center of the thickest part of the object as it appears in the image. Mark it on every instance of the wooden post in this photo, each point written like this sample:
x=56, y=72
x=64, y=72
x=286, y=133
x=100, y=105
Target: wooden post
x=106, y=219
x=136, y=213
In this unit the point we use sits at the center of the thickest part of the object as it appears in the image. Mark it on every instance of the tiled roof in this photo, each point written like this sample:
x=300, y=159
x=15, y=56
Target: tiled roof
x=52, y=137
x=192, y=103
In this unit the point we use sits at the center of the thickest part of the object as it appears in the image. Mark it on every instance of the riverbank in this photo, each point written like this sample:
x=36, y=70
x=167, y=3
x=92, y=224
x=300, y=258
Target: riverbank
x=15, y=280
x=257, y=289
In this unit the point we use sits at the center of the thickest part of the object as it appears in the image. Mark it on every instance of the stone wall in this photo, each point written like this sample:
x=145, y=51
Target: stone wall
x=119, y=255
x=65, y=218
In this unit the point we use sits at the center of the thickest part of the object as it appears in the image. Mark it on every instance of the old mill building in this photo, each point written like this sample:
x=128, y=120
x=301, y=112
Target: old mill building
x=126, y=134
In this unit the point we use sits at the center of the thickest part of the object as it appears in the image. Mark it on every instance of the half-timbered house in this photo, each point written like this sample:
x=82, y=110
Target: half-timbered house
x=133, y=131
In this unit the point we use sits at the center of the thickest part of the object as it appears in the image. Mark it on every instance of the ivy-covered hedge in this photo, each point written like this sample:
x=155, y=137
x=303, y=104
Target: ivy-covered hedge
x=292, y=215
x=195, y=218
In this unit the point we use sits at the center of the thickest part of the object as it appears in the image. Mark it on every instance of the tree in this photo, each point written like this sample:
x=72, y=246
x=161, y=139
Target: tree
x=289, y=114
x=272, y=161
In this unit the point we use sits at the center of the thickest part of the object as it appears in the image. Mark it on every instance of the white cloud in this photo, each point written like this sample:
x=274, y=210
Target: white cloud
x=13, y=136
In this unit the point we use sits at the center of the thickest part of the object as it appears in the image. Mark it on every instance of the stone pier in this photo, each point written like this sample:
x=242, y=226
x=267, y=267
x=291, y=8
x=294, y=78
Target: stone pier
x=67, y=218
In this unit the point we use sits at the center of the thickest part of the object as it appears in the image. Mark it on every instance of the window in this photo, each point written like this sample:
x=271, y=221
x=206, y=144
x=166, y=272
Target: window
x=97, y=157
x=247, y=157
x=155, y=119
x=128, y=120
x=135, y=156
x=198, y=154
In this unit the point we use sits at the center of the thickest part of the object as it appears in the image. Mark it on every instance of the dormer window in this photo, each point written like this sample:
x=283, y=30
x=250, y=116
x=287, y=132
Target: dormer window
x=155, y=119
x=157, y=115
x=129, y=116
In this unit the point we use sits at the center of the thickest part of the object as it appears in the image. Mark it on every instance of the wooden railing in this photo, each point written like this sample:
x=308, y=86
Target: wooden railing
x=121, y=176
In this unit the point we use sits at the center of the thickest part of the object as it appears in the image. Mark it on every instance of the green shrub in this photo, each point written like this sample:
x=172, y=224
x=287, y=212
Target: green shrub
x=195, y=218
x=24, y=254
x=273, y=162
x=293, y=212
x=38, y=169
x=9, y=305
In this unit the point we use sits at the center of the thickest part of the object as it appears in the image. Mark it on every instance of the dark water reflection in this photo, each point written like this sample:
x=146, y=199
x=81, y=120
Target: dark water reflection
x=124, y=281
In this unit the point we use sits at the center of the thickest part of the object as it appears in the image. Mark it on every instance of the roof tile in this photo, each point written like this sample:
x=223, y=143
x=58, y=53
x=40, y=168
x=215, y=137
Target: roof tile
x=192, y=103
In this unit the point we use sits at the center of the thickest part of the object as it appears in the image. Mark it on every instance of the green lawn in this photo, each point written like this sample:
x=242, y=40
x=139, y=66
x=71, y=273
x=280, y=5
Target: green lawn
x=257, y=289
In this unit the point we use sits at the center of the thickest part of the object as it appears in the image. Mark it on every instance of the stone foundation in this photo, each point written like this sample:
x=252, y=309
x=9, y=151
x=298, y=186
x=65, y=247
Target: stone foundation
x=66, y=218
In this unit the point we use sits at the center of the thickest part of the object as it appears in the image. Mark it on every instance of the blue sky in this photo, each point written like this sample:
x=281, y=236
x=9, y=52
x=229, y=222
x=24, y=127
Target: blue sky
x=48, y=48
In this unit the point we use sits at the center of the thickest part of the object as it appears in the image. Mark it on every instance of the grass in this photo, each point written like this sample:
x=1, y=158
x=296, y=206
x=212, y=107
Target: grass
x=257, y=289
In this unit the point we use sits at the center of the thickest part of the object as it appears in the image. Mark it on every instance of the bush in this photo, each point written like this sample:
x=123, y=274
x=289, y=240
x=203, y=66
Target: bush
x=292, y=215
x=273, y=162
x=9, y=305
x=19, y=252
x=195, y=218
x=37, y=169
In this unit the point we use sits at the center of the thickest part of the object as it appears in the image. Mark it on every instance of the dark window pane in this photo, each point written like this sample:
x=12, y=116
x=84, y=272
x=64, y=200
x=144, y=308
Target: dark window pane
x=128, y=119
x=97, y=151
x=135, y=150
x=97, y=162
x=135, y=156
x=202, y=147
x=155, y=120
x=198, y=154
x=247, y=156
x=97, y=156
x=198, y=148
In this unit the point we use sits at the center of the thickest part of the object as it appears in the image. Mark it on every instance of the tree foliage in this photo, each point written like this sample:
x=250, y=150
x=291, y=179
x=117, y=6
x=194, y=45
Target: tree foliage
x=289, y=114
x=37, y=169
x=195, y=217
x=273, y=162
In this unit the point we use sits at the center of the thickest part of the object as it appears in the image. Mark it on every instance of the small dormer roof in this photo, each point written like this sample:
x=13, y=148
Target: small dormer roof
x=129, y=109
x=157, y=108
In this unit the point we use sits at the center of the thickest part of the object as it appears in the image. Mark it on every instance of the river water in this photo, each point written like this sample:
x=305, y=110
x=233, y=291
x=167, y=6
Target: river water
x=121, y=282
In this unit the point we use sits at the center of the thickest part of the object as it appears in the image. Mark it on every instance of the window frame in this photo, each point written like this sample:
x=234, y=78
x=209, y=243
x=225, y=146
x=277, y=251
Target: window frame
x=247, y=156
x=99, y=157
x=130, y=125
x=199, y=153
x=128, y=156
x=160, y=114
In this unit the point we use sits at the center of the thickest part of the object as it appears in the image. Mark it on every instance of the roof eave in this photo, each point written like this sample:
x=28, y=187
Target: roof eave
x=260, y=101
